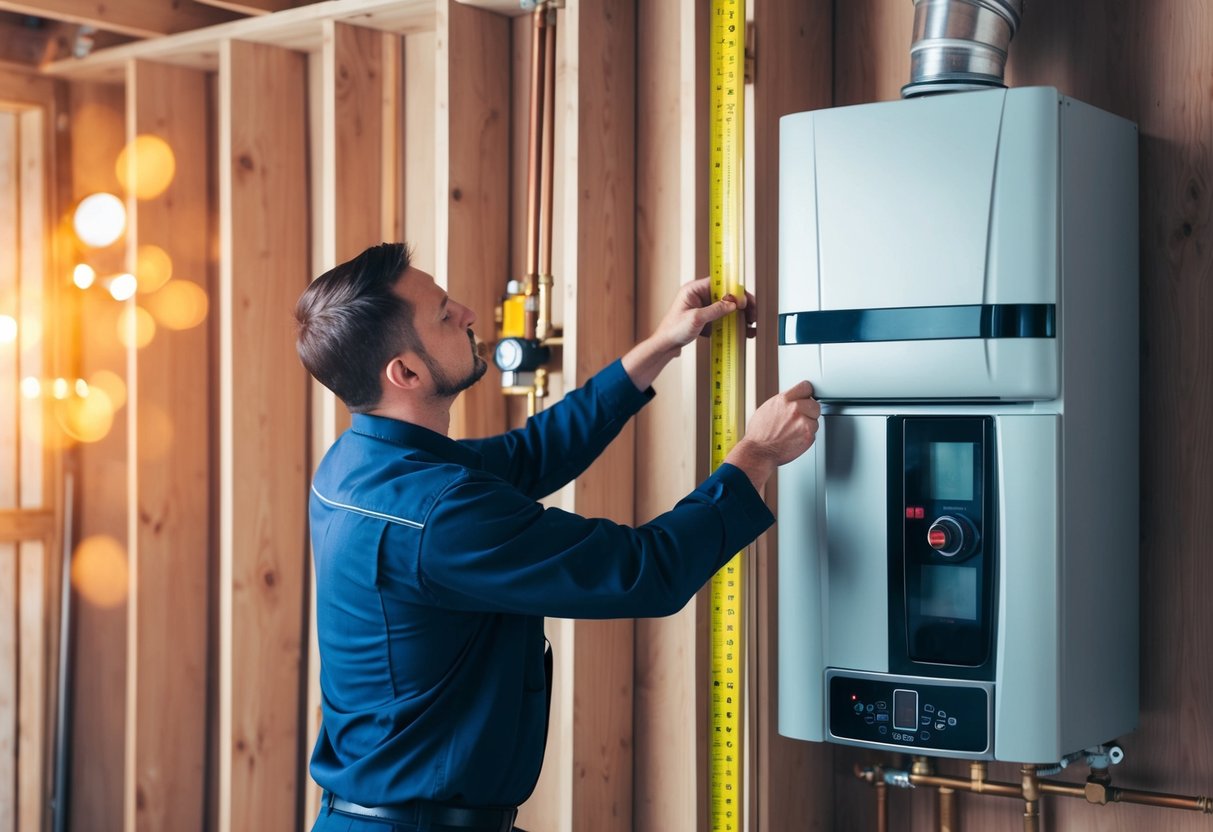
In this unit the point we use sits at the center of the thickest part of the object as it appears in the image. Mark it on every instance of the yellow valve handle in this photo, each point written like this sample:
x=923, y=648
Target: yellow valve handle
x=727, y=266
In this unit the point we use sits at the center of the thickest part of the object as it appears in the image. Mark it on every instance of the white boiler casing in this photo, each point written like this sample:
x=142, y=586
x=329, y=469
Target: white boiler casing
x=959, y=280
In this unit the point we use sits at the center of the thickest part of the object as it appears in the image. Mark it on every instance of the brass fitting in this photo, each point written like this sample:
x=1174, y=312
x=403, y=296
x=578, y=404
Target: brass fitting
x=1097, y=792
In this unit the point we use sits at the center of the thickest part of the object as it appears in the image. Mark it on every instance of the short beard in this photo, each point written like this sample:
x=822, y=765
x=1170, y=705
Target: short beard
x=446, y=387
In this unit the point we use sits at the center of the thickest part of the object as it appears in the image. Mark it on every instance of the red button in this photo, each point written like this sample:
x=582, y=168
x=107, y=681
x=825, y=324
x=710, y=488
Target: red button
x=918, y=513
x=938, y=538
x=909, y=513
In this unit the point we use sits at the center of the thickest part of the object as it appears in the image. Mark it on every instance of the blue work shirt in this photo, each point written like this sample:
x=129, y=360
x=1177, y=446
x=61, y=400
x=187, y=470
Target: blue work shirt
x=435, y=565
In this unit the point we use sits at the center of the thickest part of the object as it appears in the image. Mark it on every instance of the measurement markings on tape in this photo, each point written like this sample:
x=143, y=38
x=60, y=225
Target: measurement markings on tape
x=727, y=262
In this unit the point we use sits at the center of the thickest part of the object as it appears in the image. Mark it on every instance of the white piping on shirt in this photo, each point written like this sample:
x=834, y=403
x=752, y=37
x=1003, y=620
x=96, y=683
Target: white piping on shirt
x=367, y=512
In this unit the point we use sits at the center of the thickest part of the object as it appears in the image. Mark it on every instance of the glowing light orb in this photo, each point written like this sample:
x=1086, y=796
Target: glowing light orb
x=31, y=387
x=99, y=220
x=84, y=275
x=153, y=268
x=179, y=305
x=100, y=572
x=146, y=166
x=136, y=327
x=86, y=419
x=123, y=286
x=8, y=329
x=112, y=384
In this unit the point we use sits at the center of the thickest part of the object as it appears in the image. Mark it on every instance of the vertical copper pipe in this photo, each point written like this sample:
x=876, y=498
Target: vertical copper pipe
x=1031, y=799
x=882, y=806
x=534, y=161
x=547, y=177
x=946, y=809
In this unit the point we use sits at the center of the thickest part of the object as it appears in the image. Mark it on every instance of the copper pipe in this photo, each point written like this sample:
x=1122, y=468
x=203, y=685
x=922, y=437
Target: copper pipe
x=544, y=326
x=534, y=162
x=1031, y=798
x=1093, y=792
x=882, y=807
x=945, y=809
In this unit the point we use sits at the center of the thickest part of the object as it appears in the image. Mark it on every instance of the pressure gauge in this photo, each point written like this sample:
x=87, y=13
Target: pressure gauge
x=515, y=355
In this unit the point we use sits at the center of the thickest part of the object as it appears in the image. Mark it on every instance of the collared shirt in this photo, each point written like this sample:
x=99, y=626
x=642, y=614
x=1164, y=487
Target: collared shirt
x=435, y=565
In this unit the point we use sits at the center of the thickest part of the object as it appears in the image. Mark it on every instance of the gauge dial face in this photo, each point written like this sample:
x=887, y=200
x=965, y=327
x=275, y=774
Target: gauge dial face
x=508, y=355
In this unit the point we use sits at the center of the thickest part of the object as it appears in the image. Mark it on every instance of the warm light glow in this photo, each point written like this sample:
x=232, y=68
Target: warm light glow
x=81, y=388
x=99, y=571
x=84, y=275
x=31, y=388
x=31, y=333
x=146, y=166
x=136, y=327
x=8, y=329
x=179, y=305
x=153, y=268
x=123, y=286
x=60, y=388
x=112, y=384
x=86, y=419
x=99, y=220
x=156, y=432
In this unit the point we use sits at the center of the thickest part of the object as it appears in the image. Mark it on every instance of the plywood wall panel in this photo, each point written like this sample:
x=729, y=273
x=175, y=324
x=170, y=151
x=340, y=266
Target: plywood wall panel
x=472, y=183
x=170, y=520
x=263, y=433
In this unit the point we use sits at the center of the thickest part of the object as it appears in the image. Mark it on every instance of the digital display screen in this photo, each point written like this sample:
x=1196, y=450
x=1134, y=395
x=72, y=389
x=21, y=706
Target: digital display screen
x=905, y=710
x=949, y=592
x=951, y=470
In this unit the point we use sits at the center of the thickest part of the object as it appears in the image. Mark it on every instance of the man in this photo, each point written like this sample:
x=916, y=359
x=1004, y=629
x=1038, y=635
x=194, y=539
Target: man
x=435, y=562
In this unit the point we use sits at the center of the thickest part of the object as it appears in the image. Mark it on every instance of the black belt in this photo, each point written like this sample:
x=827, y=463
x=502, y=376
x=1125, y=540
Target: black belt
x=425, y=815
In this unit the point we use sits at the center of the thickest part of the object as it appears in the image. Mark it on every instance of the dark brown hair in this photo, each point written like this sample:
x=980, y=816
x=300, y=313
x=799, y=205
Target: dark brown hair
x=351, y=323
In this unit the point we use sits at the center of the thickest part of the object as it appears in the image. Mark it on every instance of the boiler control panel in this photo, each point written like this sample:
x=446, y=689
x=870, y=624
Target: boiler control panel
x=910, y=713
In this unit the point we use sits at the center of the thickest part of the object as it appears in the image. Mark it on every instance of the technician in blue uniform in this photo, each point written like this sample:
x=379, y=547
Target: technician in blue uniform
x=435, y=562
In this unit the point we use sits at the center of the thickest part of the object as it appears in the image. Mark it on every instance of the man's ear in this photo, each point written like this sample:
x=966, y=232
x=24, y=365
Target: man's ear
x=400, y=373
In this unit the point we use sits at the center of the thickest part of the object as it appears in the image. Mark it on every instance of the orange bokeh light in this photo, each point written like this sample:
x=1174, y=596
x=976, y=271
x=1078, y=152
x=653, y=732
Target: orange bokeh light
x=136, y=327
x=100, y=572
x=146, y=166
x=179, y=305
x=86, y=418
x=153, y=268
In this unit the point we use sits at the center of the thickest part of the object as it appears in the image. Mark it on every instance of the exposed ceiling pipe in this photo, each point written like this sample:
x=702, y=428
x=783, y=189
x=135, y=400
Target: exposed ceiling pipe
x=960, y=44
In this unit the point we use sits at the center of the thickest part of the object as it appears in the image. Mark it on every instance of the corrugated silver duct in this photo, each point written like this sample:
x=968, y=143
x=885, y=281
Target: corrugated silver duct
x=960, y=44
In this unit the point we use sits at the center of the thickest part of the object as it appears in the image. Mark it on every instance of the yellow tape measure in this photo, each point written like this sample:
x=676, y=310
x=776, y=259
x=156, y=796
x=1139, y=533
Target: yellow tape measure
x=727, y=266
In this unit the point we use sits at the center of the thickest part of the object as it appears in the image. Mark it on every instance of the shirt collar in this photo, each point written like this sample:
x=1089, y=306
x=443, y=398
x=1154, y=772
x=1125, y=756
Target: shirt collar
x=408, y=435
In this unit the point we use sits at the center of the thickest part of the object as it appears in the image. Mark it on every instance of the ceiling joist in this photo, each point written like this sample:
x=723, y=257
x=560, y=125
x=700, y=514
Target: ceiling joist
x=140, y=18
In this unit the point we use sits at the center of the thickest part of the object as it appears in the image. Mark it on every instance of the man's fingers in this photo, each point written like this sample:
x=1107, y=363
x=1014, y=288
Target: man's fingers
x=799, y=390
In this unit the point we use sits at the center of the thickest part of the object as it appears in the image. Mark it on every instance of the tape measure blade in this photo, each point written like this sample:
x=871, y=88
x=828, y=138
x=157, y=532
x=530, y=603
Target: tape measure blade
x=727, y=267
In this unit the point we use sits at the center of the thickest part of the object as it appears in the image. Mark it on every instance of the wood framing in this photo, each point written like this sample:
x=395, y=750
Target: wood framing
x=142, y=18
x=263, y=433
x=359, y=88
x=671, y=248
x=170, y=513
x=100, y=664
x=9, y=481
x=472, y=183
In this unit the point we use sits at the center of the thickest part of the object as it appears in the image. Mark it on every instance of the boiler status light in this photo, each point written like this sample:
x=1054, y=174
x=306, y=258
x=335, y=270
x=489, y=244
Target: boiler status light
x=914, y=512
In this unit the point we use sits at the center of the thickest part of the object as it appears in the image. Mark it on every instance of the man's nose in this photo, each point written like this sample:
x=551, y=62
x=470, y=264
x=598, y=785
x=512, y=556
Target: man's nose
x=469, y=317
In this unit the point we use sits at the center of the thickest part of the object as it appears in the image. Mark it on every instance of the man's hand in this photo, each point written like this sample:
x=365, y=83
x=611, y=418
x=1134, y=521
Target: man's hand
x=781, y=429
x=690, y=315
